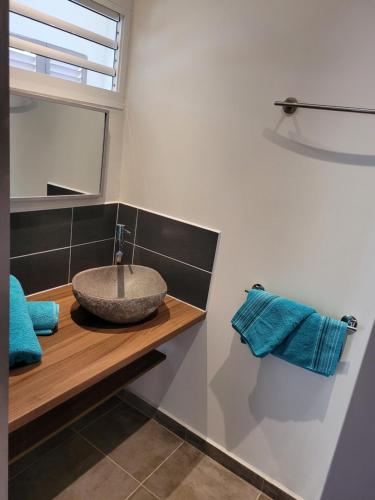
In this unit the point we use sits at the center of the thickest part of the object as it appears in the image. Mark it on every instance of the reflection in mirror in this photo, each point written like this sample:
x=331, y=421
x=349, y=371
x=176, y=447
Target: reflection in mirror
x=55, y=149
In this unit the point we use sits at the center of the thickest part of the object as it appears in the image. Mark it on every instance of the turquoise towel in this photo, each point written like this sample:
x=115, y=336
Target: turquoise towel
x=291, y=331
x=316, y=344
x=44, y=315
x=24, y=347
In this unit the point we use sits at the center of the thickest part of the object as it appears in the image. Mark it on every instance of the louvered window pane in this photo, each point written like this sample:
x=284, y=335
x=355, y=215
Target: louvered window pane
x=22, y=60
x=80, y=47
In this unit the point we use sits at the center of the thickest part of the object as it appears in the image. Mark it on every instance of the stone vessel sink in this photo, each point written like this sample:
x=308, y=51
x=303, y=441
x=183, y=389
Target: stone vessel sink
x=120, y=294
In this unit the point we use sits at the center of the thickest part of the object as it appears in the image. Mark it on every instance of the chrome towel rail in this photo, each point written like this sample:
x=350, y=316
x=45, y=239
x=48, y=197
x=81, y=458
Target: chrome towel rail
x=350, y=320
x=290, y=106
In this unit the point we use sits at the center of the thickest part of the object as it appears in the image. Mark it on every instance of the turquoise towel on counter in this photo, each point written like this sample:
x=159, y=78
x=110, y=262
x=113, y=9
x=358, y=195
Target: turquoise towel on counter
x=44, y=315
x=292, y=331
x=24, y=347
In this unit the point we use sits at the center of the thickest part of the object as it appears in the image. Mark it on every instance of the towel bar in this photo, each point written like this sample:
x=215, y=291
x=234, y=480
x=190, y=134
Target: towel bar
x=351, y=320
x=290, y=106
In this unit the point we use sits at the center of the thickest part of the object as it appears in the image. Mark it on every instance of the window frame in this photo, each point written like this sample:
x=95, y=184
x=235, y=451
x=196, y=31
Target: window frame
x=65, y=91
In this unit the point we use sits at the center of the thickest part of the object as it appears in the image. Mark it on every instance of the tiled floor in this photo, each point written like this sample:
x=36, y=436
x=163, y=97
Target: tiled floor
x=116, y=453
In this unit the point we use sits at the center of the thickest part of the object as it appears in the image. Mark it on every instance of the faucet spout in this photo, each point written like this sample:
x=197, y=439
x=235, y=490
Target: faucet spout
x=120, y=237
x=118, y=257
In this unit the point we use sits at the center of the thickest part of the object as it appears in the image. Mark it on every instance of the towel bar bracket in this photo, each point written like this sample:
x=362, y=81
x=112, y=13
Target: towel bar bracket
x=350, y=320
x=288, y=109
x=352, y=323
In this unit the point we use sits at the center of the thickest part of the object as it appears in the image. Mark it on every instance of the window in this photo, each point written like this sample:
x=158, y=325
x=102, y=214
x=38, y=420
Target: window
x=43, y=39
x=32, y=62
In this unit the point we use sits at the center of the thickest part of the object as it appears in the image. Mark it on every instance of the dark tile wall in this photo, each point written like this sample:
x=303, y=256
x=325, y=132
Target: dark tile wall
x=48, y=247
x=182, y=253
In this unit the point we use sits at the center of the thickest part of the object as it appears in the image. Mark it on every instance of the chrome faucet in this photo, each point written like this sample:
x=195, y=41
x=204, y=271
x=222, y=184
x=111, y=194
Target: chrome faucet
x=120, y=237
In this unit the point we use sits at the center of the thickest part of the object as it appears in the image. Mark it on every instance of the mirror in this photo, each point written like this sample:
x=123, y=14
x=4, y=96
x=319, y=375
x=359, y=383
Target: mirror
x=55, y=149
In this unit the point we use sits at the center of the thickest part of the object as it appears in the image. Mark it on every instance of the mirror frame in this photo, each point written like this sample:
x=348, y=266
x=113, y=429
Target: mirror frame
x=63, y=197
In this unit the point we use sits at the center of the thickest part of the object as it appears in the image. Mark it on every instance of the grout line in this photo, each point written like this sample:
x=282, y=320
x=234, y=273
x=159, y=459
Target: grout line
x=172, y=258
x=135, y=235
x=162, y=463
x=132, y=493
x=70, y=244
x=140, y=409
x=100, y=416
x=114, y=238
x=107, y=456
x=38, y=253
x=90, y=242
x=61, y=248
x=33, y=462
x=151, y=493
x=120, y=401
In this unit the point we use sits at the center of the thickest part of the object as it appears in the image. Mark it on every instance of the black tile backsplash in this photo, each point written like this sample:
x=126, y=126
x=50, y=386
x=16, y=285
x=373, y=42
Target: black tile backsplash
x=93, y=223
x=127, y=251
x=91, y=255
x=184, y=242
x=184, y=282
x=41, y=230
x=128, y=216
x=83, y=237
x=41, y=271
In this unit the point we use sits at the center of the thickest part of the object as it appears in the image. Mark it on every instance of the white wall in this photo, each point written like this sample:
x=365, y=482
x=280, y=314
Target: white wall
x=293, y=197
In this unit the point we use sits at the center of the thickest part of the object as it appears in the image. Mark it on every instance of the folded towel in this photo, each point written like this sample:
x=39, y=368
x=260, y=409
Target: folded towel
x=24, y=347
x=44, y=315
x=316, y=344
x=292, y=331
x=265, y=320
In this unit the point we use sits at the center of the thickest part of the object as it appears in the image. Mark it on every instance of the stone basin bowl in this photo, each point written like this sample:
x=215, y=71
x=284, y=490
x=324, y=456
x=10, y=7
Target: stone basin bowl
x=120, y=294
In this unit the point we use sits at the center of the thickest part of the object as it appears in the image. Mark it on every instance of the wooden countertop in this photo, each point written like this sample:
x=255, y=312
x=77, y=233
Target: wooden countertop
x=84, y=351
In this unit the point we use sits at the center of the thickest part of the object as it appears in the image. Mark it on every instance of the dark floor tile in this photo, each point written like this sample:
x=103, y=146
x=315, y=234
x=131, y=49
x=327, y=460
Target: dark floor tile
x=128, y=216
x=165, y=480
x=184, y=282
x=73, y=470
x=32, y=456
x=185, y=242
x=142, y=494
x=275, y=493
x=41, y=271
x=91, y=255
x=225, y=460
x=135, y=442
x=97, y=412
x=41, y=230
x=203, y=480
x=105, y=480
x=93, y=223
